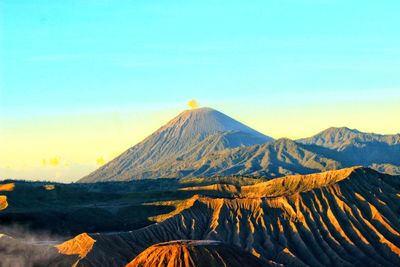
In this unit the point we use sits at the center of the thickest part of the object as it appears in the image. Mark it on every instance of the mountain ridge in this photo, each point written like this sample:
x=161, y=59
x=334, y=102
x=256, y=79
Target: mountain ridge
x=352, y=147
x=196, y=253
x=205, y=142
x=337, y=137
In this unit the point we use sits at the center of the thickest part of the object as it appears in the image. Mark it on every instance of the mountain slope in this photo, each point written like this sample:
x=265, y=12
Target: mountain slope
x=386, y=168
x=274, y=159
x=205, y=142
x=195, y=253
x=352, y=147
x=348, y=217
x=339, y=138
x=177, y=138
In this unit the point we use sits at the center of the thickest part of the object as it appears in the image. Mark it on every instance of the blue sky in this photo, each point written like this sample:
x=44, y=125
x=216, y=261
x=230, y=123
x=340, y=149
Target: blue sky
x=80, y=54
x=254, y=60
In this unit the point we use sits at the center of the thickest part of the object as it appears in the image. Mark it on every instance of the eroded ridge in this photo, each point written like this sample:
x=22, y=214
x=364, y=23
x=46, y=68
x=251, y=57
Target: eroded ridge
x=348, y=217
x=196, y=253
x=80, y=245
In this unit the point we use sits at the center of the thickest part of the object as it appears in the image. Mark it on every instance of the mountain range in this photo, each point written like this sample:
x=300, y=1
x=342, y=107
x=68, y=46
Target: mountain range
x=204, y=142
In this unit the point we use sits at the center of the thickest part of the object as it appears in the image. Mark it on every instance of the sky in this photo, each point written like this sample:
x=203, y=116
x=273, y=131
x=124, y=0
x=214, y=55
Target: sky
x=83, y=80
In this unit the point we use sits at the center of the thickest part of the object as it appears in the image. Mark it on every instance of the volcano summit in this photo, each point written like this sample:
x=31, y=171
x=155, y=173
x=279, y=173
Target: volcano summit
x=192, y=135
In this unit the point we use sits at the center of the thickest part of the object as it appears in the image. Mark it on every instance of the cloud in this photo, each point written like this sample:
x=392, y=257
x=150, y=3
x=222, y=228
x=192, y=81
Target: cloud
x=100, y=161
x=193, y=104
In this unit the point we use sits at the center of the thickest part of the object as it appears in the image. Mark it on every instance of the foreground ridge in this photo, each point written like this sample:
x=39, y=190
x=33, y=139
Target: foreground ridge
x=196, y=253
x=348, y=217
x=352, y=219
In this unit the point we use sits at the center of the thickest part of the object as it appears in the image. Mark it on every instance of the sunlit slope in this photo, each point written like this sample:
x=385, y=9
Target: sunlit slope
x=198, y=253
x=5, y=187
x=346, y=217
x=79, y=245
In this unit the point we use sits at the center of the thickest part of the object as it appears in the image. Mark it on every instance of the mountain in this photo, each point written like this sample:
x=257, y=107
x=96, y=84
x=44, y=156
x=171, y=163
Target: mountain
x=196, y=253
x=347, y=217
x=352, y=147
x=342, y=137
x=386, y=168
x=174, y=141
x=205, y=142
x=286, y=157
x=278, y=158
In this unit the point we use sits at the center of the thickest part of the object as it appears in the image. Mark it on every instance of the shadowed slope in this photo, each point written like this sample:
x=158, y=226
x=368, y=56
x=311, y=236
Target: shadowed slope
x=347, y=217
x=274, y=159
x=338, y=138
x=352, y=147
x=200, y=253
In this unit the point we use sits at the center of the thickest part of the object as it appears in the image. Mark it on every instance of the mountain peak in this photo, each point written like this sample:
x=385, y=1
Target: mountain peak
x=339, y=137
x=204, y=121
x=342, y=129
x=200, y=110
x=175, y=139
x=196, y=253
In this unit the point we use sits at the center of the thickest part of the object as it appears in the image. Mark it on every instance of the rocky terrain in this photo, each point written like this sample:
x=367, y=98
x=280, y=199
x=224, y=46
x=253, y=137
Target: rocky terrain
x=201, y=253
x=342, y=137
x=352, y=147
x=347, y=217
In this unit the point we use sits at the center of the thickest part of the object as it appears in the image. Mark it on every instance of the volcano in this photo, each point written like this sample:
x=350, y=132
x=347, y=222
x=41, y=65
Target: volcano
x=193, y=134
x=204, y=142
